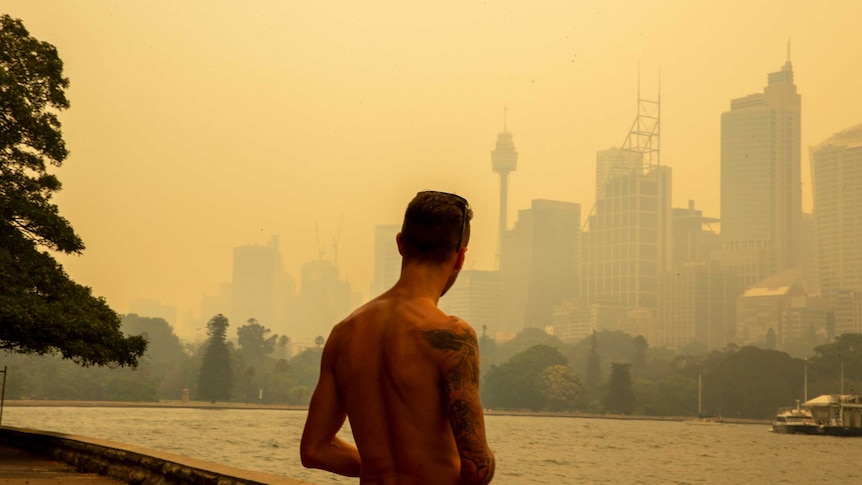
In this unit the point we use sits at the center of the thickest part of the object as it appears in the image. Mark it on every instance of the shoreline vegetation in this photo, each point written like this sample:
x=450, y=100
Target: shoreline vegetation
x=283, y=407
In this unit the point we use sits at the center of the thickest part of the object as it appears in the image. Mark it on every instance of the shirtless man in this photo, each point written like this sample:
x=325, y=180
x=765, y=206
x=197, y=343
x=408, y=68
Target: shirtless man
x=405, y=373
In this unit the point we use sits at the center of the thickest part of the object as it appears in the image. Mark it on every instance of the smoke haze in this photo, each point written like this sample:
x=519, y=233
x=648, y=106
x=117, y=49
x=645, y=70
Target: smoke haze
x=198, y=126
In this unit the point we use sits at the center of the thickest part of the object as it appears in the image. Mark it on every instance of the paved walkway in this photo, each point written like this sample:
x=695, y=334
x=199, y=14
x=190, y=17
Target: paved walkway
x=21, y=467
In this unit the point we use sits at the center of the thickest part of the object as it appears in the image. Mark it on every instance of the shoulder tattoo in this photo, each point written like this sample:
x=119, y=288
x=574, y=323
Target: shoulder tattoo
x=463, y=348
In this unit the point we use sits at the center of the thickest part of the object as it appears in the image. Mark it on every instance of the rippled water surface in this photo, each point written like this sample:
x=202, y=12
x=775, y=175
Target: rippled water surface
x=529, y=450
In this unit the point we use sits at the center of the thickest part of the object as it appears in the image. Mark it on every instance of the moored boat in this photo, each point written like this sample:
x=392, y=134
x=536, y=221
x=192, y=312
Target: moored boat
x=796, y=420
x=837, y=414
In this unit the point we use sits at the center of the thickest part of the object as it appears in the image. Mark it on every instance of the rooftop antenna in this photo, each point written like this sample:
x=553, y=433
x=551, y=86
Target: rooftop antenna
x=643, y=142
x=788, y=49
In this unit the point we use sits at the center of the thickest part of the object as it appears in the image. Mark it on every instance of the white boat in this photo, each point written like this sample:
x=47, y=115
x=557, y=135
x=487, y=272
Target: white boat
x=796, y=420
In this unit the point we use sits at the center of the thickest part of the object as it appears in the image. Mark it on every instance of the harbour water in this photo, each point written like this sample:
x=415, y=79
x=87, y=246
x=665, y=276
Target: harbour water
x=529, y=449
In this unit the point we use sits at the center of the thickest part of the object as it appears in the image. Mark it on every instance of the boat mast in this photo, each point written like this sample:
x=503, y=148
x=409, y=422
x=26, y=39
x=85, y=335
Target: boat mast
x=699, y=388
x=842, y=377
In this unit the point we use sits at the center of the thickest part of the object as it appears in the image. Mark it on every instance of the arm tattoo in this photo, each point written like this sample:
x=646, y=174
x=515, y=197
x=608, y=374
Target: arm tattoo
x=461, y=386
x=464, y=347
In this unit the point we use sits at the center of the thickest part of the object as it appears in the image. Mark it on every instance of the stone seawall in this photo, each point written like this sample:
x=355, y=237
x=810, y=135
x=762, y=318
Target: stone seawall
x=133, y=464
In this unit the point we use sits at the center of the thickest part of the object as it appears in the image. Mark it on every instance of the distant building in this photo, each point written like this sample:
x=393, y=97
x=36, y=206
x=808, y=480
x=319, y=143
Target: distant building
x=150, y=308
x=387, y=260
x=847, y=311
x=781, y=304
x=324, y=300
x=540, y=263
x=475, y=297
x=607, y=315
x=572, y=321
x=836, y=173
x=808, y=258
x=153, y=309
x=696, y=303
x=629, y=240
x=693, y=238
x=761, y=188
x=260, y=288
x=212, y=305
x=761, y=309
x=612, y=162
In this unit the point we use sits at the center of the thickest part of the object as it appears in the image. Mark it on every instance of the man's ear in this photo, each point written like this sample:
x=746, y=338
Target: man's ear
x=459, y=261
x=398, y=242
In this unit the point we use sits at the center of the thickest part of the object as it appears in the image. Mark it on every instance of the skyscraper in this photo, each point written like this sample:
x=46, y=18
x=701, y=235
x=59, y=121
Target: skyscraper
x=323, y=300
x=504, y=160
x=540, y=264
x=259, y=285
x=836, y=169
x=629, y=244
x=475, y=297
x=696, y=303
x=611, y=162
x=629, y=241
x=761, y=188
x=387, y=260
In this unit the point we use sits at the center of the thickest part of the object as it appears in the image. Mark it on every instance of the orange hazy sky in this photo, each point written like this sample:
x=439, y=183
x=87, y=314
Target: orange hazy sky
x=198, y=126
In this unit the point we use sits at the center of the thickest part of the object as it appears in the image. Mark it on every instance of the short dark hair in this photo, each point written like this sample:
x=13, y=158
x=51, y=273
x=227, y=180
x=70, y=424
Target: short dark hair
x=434, y=223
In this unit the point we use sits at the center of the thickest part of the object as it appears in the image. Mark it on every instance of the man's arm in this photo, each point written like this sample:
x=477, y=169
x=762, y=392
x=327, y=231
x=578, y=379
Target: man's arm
x=320, y=447
x=461, y=387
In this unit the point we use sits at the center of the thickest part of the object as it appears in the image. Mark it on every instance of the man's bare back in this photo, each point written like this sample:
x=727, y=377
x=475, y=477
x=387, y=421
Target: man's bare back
x=407, y=376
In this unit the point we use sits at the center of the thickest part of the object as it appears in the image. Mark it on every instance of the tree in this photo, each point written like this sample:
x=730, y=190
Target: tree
x=253, y=340
x=639, y=358
x=518, y=383
x=215, y=381
x=165, y=361
x=750, y=382
x=283, y=347
x=42, y=310
x=562, y=389
x=620, y=397
x=529, y=337
x=487, y=351
x=594, y=365
x=164, y=345
x=305, y=367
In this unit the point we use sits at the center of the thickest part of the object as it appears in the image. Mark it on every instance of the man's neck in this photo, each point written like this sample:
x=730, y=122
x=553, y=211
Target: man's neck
x=423, y=280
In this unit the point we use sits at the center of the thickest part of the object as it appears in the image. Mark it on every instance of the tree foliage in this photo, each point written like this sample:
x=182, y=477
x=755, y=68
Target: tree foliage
x=168, y=365
x=750, y=382
x=620, y=397
x=215, y=381
x=162, y=374
x=594, y=364
x=518, y=383
x=562, y=389
x=842, y=357
x=254, y=340
x=41, y=309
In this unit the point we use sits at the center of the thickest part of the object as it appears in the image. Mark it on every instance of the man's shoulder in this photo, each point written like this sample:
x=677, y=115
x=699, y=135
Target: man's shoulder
x=450, y=333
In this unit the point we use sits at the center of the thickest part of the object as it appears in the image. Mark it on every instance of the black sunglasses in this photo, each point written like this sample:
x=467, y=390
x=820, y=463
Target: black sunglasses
x=465, y=206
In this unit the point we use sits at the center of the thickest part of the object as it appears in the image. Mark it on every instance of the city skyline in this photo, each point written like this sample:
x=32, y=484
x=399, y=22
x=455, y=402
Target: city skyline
x=197, y=128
